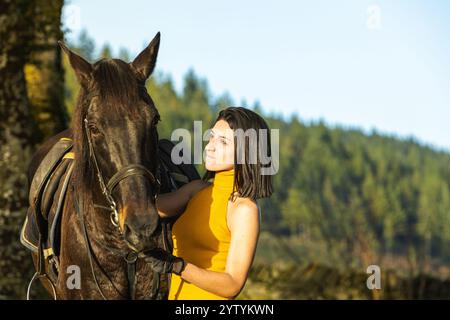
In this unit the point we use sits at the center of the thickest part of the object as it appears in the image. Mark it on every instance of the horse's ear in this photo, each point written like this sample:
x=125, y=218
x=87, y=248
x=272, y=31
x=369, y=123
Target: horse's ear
x=82, y=68
x=145, y=62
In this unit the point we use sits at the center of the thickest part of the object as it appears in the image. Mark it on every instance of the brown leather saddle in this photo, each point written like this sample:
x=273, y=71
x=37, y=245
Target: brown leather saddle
x=41, y=231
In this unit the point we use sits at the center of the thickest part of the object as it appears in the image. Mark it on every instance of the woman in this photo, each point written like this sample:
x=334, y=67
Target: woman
x=216, y=235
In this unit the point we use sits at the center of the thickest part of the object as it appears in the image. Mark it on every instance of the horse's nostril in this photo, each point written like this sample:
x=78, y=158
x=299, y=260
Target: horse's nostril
x=139, y=237
x=143, y=231
x=130, y=235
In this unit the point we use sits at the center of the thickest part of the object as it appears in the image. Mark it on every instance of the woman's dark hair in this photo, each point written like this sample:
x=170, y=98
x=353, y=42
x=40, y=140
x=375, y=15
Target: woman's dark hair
x=249, y=180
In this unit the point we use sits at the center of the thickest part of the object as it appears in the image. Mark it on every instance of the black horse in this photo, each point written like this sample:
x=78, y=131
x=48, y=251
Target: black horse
x=109, y=212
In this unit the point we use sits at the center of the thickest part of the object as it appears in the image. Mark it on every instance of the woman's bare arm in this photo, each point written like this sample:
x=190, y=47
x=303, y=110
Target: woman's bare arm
x=174, y=203
x=244, y=226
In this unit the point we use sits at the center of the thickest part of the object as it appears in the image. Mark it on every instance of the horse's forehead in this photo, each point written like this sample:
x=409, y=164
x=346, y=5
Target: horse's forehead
x=116, y=111
x=116, y=120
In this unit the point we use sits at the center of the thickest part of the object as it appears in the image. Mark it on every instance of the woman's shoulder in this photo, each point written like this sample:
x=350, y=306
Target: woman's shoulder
x=244, y=205
x=243, y=209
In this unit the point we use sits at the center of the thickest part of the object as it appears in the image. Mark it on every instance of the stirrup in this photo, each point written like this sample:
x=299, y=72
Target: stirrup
x=37, y=276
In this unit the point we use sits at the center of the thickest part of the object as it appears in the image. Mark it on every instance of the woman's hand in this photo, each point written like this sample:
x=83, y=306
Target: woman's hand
x=174, y=203
x=163, y=262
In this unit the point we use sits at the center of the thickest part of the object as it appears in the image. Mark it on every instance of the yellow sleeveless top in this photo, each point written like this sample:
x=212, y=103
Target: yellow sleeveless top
x=201, y=236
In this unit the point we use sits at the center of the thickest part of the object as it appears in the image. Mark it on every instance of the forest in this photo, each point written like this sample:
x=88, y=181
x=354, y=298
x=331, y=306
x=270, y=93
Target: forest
x=344, y=199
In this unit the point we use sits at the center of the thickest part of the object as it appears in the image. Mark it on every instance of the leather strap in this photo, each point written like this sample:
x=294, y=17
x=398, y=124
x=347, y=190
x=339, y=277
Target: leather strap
x=130, y=170
x=86, y=240
x=131, y=258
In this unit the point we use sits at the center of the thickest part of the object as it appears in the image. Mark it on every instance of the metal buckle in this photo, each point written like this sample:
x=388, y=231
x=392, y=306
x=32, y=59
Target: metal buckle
x=131, y=257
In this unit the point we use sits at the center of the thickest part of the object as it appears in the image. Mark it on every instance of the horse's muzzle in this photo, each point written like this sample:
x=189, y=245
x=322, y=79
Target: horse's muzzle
x=140, y=237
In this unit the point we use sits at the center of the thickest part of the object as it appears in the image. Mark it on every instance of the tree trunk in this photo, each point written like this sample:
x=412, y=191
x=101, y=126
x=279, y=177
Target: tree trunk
x=28, y=30
x=44, y=72
x=16, y=144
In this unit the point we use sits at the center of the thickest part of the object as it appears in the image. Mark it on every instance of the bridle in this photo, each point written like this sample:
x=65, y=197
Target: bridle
x=123, y=173
x=107, y=189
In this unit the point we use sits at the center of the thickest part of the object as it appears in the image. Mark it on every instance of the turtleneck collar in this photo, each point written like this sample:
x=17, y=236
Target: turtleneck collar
x=224, y=179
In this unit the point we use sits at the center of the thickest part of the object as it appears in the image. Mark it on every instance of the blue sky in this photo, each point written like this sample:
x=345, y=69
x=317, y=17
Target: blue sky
x=357, y=63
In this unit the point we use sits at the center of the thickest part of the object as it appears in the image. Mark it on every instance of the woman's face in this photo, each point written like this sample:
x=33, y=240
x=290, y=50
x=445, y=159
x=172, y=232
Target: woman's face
x=219, y=152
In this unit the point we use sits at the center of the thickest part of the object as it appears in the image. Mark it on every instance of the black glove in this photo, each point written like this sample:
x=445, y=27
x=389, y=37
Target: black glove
x=163, y=262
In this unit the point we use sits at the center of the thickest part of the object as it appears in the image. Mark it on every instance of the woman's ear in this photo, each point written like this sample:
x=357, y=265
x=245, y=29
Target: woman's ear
x=82, y=68
x=145, y=62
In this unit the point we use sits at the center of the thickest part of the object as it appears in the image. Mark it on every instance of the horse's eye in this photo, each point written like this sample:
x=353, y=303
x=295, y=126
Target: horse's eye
x=94, y=130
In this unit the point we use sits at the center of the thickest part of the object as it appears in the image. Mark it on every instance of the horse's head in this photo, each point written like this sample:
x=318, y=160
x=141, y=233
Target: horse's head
x=116, y=141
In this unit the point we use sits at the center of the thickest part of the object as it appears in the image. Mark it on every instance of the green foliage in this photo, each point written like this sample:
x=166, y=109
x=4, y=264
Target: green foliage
x=106, y=51
x=318, y=281
x=85, y=45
